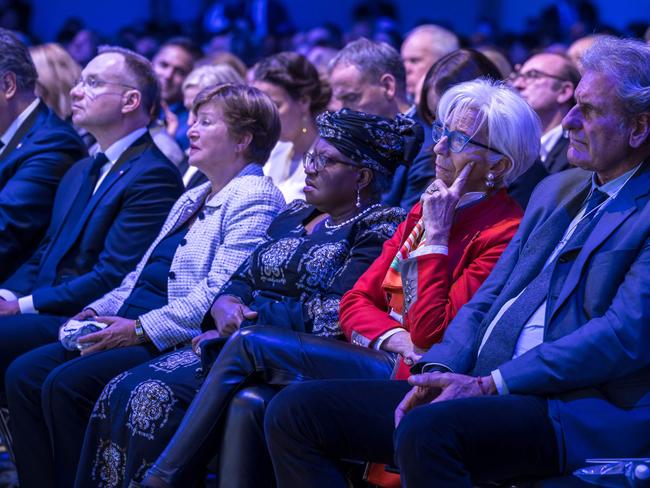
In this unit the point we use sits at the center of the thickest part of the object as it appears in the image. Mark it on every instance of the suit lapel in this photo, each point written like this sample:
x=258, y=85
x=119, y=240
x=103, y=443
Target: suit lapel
x=25, y=130
x=121, y=166
x=614, y=214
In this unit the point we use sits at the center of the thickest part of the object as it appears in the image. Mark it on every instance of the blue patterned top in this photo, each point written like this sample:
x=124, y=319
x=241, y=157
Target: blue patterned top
x=296, y=280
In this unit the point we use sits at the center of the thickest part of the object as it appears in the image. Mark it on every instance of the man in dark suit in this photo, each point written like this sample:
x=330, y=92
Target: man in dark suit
x=549, y=363
x=36, y=149
x=107, y=210
x=547, y=82
x=369, y=77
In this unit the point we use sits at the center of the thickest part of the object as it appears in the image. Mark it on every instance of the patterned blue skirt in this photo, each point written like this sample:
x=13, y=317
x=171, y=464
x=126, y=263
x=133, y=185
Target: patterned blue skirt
x=135, y=417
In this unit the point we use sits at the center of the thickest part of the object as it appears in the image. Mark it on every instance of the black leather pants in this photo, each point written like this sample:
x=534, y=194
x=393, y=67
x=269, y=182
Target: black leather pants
x=244, y=460
x=254, y=356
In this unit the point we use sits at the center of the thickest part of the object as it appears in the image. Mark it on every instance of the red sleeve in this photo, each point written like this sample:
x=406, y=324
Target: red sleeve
x=440, y=294
x=364, y=309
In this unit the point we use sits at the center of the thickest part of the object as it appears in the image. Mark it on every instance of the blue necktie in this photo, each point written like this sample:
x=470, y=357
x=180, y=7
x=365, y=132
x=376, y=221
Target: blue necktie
x=500, y=345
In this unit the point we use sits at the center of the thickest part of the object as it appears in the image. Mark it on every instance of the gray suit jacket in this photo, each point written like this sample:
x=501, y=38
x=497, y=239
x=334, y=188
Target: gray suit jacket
x=594, y=364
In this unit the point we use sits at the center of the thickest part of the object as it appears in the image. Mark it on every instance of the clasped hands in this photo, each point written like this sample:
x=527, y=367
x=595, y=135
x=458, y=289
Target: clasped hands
x=439, y=387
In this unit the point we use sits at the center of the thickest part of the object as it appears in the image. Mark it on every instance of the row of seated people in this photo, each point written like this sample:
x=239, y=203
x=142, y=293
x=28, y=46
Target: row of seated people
x=405, y=296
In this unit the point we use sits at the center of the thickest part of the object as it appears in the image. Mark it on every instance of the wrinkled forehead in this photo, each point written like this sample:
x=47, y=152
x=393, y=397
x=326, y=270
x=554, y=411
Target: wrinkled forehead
x=595, y=87
x=347, y=76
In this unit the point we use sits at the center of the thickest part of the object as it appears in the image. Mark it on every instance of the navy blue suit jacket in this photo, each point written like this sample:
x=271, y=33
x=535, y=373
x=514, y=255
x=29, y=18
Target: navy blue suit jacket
x=594, y=363
x=78, y=262
x=409, y=182
x=31, y=168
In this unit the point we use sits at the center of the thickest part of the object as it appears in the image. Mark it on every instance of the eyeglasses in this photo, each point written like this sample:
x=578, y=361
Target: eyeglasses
x=455, y=139
x=532, y=74
x=93, y=83
x=313, y=161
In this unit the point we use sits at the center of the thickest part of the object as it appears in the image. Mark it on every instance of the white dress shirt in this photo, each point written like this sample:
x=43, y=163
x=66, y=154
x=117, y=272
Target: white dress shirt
x=549, y=140
x=286, y=171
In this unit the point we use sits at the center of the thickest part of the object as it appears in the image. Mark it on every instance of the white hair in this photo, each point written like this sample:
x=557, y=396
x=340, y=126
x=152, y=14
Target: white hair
x=442, y=41
x=513, y=128
x=209, y=75
x=627, y=63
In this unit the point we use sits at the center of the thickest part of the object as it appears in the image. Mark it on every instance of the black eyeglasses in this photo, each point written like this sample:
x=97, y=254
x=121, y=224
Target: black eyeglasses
x=456, y=140
x=532, y=74
x=313, y=161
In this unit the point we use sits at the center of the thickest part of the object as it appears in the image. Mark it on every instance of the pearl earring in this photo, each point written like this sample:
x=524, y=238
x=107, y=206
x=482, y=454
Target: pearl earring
x=358, y=198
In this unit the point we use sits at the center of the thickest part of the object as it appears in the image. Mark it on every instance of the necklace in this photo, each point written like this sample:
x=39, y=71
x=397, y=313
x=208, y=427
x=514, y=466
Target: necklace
x=361, y=214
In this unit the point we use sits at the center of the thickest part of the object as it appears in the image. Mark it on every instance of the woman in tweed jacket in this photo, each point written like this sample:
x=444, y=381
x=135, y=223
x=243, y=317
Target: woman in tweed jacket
x=291, y=285
x=210, y=231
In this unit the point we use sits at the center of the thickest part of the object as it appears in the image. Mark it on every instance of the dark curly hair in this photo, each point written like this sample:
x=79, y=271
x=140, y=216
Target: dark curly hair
x=297, y=76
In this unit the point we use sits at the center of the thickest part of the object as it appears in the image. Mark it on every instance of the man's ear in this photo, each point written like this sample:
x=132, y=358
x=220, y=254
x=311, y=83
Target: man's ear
x=389, y=85
x=565, y=92
x=132, y=101
x=9, y=85
x=640, y=129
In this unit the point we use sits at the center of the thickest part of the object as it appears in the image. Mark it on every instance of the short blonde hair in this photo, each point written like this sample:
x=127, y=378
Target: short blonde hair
x=211, y=75
x=246, y=110
x=57, y=74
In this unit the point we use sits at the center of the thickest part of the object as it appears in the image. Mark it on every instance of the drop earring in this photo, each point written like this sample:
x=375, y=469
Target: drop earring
x=304, y=124
x=358, y=204
x=490, y=180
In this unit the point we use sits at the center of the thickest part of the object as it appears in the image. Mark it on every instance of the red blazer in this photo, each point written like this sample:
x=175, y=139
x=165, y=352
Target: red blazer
x=445, y=283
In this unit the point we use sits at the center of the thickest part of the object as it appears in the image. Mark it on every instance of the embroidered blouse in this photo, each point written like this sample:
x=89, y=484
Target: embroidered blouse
x=296, y=280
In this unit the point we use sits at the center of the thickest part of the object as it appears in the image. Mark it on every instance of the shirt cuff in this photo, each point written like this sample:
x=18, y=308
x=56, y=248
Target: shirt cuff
x=431, y=249
x=502, y=388
x=8, y=295
x=26, y=304
x=380, y=340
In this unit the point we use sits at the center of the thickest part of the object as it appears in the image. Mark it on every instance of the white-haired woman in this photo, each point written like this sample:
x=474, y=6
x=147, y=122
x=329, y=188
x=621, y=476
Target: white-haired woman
x=485, y=135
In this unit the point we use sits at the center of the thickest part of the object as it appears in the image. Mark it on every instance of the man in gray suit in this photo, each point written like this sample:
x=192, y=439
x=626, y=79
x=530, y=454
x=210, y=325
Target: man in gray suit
x=549, y=363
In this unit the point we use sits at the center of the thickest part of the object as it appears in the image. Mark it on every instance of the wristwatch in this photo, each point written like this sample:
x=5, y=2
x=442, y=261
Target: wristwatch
x=139, y=331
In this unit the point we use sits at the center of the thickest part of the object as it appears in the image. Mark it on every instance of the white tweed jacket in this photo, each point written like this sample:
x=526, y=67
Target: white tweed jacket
x=228, y=228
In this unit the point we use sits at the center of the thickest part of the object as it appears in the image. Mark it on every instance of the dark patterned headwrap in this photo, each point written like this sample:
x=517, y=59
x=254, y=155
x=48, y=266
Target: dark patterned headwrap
x=375, y=142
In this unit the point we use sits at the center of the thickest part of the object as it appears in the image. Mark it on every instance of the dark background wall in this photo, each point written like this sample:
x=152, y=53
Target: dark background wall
x=108, y=16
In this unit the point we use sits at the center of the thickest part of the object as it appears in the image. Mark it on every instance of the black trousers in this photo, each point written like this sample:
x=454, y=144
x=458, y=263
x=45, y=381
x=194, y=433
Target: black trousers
x=51, y=393
x=256, y=355
x=457, y=443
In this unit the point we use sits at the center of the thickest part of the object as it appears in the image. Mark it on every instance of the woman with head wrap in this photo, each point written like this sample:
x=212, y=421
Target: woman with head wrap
x=292, y=283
